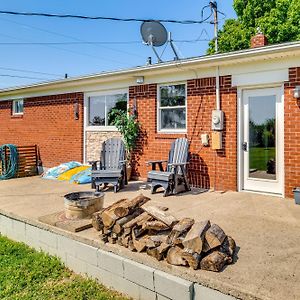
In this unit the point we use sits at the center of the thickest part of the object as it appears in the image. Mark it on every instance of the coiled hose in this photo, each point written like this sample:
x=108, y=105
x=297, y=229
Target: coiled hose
x=9, y=166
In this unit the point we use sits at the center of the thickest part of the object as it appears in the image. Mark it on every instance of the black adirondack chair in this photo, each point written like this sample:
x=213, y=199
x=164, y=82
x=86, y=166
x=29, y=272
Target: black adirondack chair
x=111, y=168
x=173, y=179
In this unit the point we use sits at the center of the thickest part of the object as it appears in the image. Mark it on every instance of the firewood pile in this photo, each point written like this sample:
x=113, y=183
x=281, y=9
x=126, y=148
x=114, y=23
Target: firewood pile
x=152, y=229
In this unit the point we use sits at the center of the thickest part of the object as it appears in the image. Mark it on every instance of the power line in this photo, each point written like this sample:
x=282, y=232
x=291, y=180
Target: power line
x=73, y=38
x=30, y=71
x=65, y=16
x=88, y=43
x=24, y=77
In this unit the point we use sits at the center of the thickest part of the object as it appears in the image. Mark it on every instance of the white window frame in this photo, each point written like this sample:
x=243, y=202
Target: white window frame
x=14, y=107
x=86, y=109
x=159, y=129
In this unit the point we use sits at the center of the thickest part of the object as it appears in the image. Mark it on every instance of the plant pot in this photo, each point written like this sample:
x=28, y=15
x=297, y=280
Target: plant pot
x=129, y=172
x=297, y=195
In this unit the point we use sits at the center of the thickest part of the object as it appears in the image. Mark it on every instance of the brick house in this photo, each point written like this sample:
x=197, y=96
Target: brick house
x=68, y=119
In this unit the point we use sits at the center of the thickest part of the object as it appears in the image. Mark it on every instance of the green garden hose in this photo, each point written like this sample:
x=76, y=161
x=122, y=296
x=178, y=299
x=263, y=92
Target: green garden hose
x=10, y=165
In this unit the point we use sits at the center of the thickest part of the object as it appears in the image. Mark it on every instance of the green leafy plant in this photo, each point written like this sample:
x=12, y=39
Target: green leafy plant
x=279, y=20
x=129, y=127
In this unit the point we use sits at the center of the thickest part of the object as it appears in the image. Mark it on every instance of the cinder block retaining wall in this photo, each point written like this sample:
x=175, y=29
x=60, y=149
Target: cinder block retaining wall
x=121, y=274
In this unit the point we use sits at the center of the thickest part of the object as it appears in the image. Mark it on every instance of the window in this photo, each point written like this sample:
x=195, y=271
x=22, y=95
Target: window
x=101, y=105
x=17, y=107
x=172, y=108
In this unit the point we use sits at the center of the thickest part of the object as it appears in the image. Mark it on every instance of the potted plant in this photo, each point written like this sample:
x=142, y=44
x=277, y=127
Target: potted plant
x=129, y=127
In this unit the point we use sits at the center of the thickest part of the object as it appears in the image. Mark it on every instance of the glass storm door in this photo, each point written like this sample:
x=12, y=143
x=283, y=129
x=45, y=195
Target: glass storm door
x=262, y=143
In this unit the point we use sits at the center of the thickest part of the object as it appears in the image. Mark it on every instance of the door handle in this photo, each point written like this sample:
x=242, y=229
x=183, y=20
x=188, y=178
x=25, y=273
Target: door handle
x=245, y=146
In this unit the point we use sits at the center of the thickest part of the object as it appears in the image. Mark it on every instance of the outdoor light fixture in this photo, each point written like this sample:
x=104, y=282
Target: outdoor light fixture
x=140, y=80
x=134, y=107
x=76, y=110
x=297, y=92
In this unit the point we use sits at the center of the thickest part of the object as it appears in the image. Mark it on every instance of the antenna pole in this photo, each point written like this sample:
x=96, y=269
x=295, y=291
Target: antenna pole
x=214, y=6
x=172, y=46
x=150, y=42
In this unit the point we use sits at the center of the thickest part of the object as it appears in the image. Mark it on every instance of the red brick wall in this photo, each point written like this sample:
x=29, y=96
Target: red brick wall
x=208, y=168
x=292, y=132
x=48, y=122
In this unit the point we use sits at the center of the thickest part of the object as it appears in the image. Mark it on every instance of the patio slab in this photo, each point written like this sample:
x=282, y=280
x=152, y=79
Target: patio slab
x=266, y=230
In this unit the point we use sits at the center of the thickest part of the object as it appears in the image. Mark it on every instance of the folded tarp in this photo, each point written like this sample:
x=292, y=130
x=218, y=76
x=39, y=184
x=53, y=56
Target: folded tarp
x=68, y=175
x=82, y=177
x=54, y=172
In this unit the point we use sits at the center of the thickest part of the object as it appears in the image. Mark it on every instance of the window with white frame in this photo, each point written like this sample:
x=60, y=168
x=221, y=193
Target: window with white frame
x=172, y=108
x=17, y=107
x=100, y=106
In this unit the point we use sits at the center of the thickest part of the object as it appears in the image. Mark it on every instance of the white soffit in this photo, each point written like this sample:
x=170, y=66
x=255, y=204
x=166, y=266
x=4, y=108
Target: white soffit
x=260, y=78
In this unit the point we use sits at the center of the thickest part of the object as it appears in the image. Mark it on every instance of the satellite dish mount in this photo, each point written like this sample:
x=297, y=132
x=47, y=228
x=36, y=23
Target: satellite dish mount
x=154, y=34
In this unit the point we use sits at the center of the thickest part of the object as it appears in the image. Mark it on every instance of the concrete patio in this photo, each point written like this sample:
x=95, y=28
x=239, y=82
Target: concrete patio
x=266, y=230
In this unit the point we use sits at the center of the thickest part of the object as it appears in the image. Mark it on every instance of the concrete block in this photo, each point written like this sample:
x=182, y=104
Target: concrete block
x=87, y=253
x=205, y=293
x=111, y=262
x=32, y=236
x=138, y=273
x=173, y=287
x=76, y=265
x=47, y=237
x=126, y=287
x=146, y=294
x=161, y=297
x=94, y=272
x=18, y=229
x=6, y=226
x=66, y=245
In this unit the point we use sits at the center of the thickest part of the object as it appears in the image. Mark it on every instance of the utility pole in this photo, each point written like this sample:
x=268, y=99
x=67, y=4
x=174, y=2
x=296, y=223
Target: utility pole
x=214, y=6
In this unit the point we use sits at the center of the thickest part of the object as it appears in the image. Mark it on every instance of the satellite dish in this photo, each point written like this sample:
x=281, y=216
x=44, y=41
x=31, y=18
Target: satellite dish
x=154, y=33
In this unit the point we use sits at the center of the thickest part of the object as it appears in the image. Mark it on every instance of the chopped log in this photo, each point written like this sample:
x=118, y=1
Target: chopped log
x=131, y=246
x=228, y=248
x=193, y=259
x=174, y=257
x=180, y=228
x=118, y=227
x=161, y=215
x=163, y=248
x=144, y=217
x=154, y=241
x=195, y=237
x=125, y=240
x=137, y=231
x=103, y=238
x=155, y=225
x=97, y=220
x=108, y=215
x=128, y=206
x=106, y=230
x=111, y=240
x=214, y=261
x=214, y=237
x=155, y=253
x=140, y=244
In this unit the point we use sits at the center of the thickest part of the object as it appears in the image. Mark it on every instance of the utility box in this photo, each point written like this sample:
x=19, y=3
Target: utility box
x=217, y=120
x=216, y=140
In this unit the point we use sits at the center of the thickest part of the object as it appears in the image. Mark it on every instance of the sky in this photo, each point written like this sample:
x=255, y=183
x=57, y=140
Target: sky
x=80, y=59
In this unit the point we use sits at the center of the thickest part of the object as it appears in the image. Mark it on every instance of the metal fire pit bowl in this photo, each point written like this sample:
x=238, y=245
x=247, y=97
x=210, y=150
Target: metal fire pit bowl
x=81, y=205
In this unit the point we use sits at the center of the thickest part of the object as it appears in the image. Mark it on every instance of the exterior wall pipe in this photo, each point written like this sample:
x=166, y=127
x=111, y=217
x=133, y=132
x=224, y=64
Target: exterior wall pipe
x=218, y=102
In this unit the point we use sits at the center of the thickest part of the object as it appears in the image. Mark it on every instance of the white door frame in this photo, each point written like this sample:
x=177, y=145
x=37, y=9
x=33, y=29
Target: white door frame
x=240, y=133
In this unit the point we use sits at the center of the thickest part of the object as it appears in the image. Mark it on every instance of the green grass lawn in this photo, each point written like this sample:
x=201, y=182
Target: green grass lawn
x=28, y=274
x=260, y=156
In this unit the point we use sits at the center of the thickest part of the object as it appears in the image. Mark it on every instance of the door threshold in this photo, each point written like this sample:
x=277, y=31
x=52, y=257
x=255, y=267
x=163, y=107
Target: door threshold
x=263, y=193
